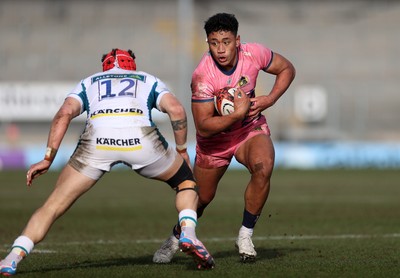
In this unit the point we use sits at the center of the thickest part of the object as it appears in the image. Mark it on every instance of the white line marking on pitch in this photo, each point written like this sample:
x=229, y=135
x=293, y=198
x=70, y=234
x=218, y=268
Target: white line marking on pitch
x=256, y=238
x=215, y=239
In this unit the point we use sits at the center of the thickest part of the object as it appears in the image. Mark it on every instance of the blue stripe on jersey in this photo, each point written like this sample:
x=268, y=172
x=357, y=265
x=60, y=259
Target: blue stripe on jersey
x=84, y=98
x=151, y=101
x=162, y=139
x=270, y=61
x=202, y=100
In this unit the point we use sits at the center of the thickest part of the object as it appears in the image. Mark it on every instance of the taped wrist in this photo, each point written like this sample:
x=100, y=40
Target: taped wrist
x=50, y=154
x=181, y=148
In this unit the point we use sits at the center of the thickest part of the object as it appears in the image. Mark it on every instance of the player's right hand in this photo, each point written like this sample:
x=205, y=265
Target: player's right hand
x=37, y=170
x=241, y=103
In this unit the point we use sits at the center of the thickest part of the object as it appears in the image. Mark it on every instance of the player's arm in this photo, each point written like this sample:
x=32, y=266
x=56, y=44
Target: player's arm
x=285, y=73
x=176, y=112
x=69, y=110
x=208, y=123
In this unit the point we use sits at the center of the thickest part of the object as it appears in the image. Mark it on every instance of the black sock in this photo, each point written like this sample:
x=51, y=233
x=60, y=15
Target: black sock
x=249, y=220
x=177, y=231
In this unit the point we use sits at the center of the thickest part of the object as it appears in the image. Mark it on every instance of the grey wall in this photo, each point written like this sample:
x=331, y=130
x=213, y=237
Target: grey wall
x=347, y=48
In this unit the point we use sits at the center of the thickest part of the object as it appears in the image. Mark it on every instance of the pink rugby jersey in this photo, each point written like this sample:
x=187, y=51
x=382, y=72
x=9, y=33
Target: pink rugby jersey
x=208, y=77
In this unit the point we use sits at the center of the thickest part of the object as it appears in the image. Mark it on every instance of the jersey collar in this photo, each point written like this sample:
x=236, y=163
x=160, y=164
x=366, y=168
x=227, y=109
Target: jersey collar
x=232, y=70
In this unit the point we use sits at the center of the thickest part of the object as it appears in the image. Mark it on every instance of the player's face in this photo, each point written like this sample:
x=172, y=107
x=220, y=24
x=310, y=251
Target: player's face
x=223, y=47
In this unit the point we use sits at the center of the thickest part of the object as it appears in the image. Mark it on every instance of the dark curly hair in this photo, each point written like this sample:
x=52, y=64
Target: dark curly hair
x=221, y=22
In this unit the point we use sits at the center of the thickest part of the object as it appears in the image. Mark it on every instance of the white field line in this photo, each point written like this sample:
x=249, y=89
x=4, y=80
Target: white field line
x=214, y=239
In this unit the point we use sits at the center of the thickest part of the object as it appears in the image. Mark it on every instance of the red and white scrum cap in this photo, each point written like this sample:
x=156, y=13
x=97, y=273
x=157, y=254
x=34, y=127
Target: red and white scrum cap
x=119, y=58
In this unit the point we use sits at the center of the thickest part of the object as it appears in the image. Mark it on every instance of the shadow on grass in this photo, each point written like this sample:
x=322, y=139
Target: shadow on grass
x=263, y=255
x=92, y=264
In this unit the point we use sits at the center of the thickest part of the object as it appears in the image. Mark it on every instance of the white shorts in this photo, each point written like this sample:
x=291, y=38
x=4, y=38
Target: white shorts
x=143, y=149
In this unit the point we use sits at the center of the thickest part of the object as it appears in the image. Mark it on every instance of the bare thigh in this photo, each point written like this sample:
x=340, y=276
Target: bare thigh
x=257, y=154
x=69, y=187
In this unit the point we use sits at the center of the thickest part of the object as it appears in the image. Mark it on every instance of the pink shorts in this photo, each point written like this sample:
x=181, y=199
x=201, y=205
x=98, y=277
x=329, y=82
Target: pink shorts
x=218, y=151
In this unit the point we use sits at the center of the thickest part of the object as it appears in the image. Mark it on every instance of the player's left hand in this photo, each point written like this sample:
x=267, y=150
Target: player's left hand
x=37, y=170
x=259, y=104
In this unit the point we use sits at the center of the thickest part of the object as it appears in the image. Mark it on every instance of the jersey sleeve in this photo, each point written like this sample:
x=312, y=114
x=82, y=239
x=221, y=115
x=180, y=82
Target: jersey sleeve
x=202, y=86
x=160, y=89
x=79, y=93
x=264, y=56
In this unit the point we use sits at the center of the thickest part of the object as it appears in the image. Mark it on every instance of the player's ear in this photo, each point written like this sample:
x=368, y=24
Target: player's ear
x=237, y=40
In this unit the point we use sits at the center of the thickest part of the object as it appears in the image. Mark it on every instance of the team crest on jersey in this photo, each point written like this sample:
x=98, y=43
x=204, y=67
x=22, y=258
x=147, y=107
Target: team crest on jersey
x=244, y=80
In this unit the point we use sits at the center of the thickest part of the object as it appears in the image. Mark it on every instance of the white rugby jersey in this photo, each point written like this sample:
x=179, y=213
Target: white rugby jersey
x=119, y=98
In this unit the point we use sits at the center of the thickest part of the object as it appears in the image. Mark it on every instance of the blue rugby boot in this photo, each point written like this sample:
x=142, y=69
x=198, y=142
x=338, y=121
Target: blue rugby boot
x=196, y=249
x=8, y=269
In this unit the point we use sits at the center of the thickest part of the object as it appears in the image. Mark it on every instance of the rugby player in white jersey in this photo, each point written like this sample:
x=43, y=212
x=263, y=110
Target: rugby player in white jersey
x=119, y=129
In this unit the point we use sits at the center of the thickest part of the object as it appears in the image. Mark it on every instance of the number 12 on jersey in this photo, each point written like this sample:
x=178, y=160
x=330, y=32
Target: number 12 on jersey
x=110, y=86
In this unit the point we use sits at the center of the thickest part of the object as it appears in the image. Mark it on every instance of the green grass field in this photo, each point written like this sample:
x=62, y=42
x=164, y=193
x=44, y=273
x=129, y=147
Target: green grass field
x=333, y=223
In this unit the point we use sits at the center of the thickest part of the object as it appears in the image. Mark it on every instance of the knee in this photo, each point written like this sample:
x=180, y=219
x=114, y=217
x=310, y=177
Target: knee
x=262, y=171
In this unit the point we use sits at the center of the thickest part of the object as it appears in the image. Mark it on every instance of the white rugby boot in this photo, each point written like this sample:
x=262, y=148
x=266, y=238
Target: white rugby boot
x=246, y=249
x=167, y=250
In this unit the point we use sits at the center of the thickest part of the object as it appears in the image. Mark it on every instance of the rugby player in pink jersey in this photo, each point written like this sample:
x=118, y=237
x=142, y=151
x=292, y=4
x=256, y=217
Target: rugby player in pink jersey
x=243, y=134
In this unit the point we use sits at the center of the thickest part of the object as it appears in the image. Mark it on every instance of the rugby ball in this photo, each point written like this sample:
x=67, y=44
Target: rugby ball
x=223, y=101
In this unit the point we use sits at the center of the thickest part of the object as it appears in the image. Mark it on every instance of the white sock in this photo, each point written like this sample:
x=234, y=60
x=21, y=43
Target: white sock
x=24, y=243
x=244, y=231
x=20, y=249
x=188, y=222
